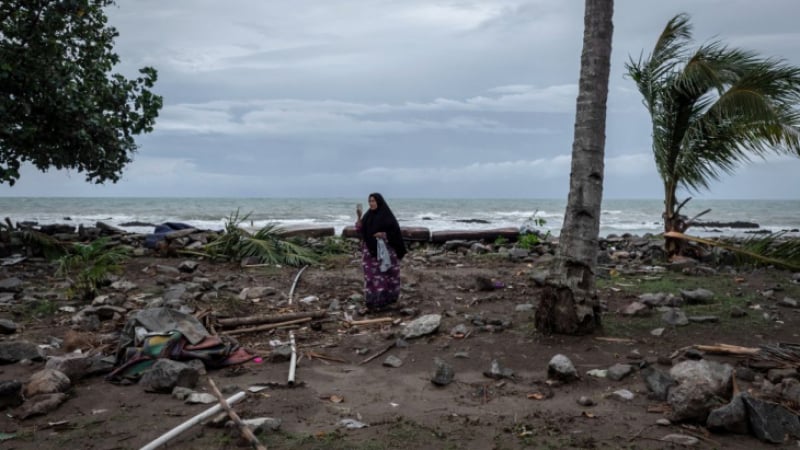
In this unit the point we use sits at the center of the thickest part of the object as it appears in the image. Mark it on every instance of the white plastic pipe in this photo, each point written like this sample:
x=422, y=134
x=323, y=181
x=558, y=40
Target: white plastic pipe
x=191, y=422
x=293, y=360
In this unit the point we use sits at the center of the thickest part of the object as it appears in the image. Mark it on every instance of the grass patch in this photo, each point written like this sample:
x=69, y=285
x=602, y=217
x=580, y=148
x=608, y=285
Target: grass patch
x=730, y=292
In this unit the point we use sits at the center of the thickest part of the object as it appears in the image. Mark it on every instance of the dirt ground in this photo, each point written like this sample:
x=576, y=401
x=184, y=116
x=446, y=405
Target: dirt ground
x=401, y=406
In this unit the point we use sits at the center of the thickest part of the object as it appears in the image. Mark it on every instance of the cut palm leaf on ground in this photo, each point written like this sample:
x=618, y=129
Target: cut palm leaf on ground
x=769, y=249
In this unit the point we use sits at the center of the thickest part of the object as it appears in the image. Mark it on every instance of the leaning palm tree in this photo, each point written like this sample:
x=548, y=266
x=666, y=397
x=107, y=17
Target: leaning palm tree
x=712, y=107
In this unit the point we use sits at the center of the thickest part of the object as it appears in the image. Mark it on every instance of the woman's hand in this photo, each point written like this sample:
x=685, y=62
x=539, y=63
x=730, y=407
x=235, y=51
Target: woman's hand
x=380, y=235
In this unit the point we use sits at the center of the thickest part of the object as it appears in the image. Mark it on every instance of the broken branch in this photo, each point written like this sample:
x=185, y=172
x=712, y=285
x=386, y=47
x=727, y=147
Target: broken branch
x=245, y=430
x=268, y=326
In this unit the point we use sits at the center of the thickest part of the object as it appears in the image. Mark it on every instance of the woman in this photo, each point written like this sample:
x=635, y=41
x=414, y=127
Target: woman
x=379, y=228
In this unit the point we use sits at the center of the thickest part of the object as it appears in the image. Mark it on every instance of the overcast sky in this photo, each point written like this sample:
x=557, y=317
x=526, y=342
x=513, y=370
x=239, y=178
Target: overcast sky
x=412, y=98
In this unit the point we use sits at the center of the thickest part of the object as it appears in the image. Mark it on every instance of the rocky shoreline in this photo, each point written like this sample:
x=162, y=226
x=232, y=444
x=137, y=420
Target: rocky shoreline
x=472, y=298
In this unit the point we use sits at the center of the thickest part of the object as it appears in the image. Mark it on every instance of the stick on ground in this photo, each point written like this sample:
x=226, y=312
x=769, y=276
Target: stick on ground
x=245, y=430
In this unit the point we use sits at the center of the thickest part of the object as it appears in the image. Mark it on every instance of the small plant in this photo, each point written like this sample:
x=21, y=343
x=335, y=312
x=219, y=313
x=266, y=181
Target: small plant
x=528, y=241
x=90, y=265
x=500, y=241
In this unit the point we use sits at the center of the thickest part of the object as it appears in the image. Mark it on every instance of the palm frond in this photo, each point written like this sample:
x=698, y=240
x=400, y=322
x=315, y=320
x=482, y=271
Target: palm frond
x=714, y=107
x=774, y=249
x=267, y=245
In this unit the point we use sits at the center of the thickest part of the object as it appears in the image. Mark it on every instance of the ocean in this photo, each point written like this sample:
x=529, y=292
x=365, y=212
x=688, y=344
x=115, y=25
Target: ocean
x=618, y=216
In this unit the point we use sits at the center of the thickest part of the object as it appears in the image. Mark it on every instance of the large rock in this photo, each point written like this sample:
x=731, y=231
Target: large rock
x=73, y=366
x=10, y=394
x=165, y=374
x=41, y=404
x=7, y=326
x=561, y=368
x=731, y=417
x=657, y=382
x=13, y=284
x=13, y=351
x=771, y=422
x=421, y=326
x=47, y=381
x=691, y=402
x=698, y=295
x=716, y=376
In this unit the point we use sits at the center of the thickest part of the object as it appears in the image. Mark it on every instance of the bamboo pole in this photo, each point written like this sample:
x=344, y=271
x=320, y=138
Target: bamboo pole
x=168, y=436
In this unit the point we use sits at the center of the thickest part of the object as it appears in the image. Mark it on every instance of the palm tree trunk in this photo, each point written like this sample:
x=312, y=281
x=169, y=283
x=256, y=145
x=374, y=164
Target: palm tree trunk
x=569, y=305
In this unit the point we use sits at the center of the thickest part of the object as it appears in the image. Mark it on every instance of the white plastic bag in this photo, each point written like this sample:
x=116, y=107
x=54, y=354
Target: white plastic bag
x=383, y=256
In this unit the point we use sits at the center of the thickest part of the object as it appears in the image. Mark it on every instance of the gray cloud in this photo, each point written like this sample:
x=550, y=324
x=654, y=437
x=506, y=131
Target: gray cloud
x=417, y=98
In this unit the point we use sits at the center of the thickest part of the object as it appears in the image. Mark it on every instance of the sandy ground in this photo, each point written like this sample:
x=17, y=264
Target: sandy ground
x=402, y=407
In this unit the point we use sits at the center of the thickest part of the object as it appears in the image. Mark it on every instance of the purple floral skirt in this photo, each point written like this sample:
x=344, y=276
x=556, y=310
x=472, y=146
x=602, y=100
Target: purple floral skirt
x=381, y=289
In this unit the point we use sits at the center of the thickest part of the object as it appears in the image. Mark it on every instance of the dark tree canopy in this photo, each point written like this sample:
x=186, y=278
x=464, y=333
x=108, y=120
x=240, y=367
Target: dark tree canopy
x=60, y=104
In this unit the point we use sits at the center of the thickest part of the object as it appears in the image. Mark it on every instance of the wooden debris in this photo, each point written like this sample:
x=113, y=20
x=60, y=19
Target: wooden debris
x=726, y=349
x=268, y=326
x=386, y=349
x=615, y=340
x=269, y=318
x=243, y=428
x=369, y=321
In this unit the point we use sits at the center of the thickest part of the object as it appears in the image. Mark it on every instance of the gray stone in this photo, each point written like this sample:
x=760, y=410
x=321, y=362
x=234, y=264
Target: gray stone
x=731, y=417
x=188, y=266
x=175, y=292
x=777, y=375
x=619, y=371
x=165, y=374
x=561, y=368
x=251, y=293
x=496, y=372
x=585, y=401
x=704, y=319
x=524, y=307
x=717, y=377
x=167, y=270
x=124, y=285
x=46, y=381
x=459, y=330
x=392, y=361
x=422, y=325
x=658, y=383
x=623, y=394
x=691, y=402
x=636, y=309
x=13, y=284
x=770, y=422
x=675, y=317
x=737, y=312
x=7, y=326
x=73, y=366
x=10, y=394
x=657, y=332
x=13, y=351
x=681, y=439
x=788, y=302
x=444, y=373
x=86, y=320
x=202, y=398
x=41, y=404
x=652, y=299
x=262, y=424
x=698, y=295
x=663, y=422
x=181, y=393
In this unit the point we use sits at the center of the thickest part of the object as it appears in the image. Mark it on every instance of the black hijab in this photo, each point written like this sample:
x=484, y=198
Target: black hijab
x=382, y=220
